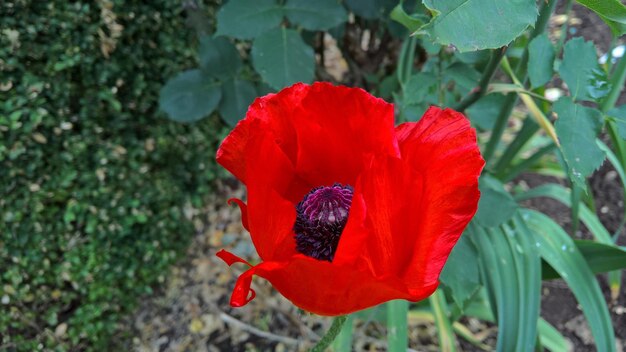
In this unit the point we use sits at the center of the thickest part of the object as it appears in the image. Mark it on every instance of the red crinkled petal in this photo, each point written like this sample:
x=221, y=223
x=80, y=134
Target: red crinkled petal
x=244, y=211
x=271, y=214
x=442, y=148
x=329, y=133
x=325, y=288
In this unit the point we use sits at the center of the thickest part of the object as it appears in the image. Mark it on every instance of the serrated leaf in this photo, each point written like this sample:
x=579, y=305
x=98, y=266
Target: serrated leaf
x=461, y=273
x=236, y=97
x=478, y=24
x=219, y=57
x=283, y=58
x=577, y=127
x=496, y=206
x=370, y=9
x=189, y=96
x=247, y=19
x=581, y=72
x=618, y=114
x=613, y=12
x=540, y=60
x=315, y=15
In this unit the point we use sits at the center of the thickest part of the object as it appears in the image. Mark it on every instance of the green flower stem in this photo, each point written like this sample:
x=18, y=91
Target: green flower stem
x=617, y=80
x=520, y=71
x=447, y=340
x=617, y=83
x=565, y=28
x=343, y=341
x=481, y=89
x=397, y=325
x=330, y=335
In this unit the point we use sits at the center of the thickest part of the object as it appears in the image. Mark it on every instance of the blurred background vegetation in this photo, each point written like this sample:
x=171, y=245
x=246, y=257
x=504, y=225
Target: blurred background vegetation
x=95, y=181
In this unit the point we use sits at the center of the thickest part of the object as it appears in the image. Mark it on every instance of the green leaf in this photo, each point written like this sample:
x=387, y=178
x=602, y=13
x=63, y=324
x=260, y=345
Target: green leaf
x=478, y=24
x=247, y=19
x=563, y=195
x=613, y=12
x=460, y=273
x=511, y=273
x=600, y=257
x=218, y=57
x=447, y=339
x=189, y=96
x=464, y=75
x=496, y=206
x=540, y=60
x=618, y=114
x=577, y=127
x=559, y=250
x=412, y=23
x=236, y=97
x=282, y=58
x=417, y=87
x=581, y=72
x=551, y=338
x=315, y=15
x=370, y=9
x=484, y=112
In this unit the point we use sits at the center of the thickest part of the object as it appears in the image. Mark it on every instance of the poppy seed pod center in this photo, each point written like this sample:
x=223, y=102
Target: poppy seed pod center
x=320, y=219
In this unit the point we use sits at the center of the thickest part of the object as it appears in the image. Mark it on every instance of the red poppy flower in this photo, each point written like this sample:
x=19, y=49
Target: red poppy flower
x=344, y=210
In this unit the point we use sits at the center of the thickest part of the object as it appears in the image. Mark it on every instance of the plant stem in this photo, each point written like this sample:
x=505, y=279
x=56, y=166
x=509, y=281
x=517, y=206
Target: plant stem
x=520, y=71
x=447, y=340
x=481, y=89
x=343, y=342
x=397, y=335
x=330, y=335
x=617, y=83
x=564, y=29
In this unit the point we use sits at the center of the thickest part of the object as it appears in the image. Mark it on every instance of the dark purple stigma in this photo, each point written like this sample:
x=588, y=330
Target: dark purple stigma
x=321, y=216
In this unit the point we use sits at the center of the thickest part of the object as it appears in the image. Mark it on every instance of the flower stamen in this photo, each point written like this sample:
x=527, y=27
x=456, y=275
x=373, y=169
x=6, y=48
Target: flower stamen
x=321, y=217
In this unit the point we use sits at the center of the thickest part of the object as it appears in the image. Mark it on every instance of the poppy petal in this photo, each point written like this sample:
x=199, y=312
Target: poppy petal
x=311, y=285
x=339, y=130
x=391, y=193
x=244, y=211
x=442, y=148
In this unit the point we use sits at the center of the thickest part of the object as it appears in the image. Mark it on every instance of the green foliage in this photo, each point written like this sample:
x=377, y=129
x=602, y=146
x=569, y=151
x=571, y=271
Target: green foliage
x=613, y=12
x=479, y=24
x=190, y=96
x=600, y=257
x=94, y=179
x=559, y=250
x=219, y=58
x=541, y=58
x=282, y=58
x=511, y=273
x=496, y=206
x=370, y=9
x=461, y=274
x=618, y=114
x=577, y=128
x=580, y=70
x=247, y=19
x=315, y=15
x=237, y=95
